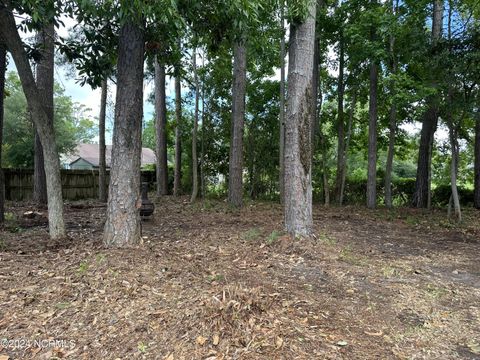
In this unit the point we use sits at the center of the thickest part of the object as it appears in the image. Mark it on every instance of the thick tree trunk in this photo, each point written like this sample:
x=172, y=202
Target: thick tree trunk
x=476, y=198
x=45, y=68
x=347, y=146
x=298, y=147
x=194, y=134
x=372, y=139
x=177, y=179
x=340, y=122
x=3, y=69
x=39, y=176
x=123, y=225
x=282, y=107
x=161, y=129
x=102, y=164
x=10, y=36
x=235, y=175
x=421, y=196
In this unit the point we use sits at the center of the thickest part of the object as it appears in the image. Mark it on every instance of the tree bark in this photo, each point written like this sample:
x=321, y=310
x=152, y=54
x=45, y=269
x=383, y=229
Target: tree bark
x=203, y=157
x=392, y=128
x=102, y=164
x=454, y=169
x=123, y=225
x=194, y=134
x=421, y=196
x=178, y=135
x=476, y=195
x=282, y=107
x=372, y=138
x=10, y=36
x=298, y=147
x=3, y=69
x=161, y=129
x=347, y=146
x=44, y=70
x=235, y=175
x=340, y=121
x=390, y=154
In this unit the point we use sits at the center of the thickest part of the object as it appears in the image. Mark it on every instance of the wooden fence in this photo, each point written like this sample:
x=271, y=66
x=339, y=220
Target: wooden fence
x=76, y=184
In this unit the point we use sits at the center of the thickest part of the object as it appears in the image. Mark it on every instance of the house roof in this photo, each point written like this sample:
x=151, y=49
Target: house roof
x=91, y=154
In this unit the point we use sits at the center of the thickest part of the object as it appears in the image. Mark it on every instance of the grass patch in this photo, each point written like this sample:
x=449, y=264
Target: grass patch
x=251, y=234
x=347, y=255
x=273, y=237
x=327, y=240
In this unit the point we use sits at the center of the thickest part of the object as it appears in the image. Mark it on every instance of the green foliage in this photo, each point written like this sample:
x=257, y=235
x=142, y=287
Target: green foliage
x=72, y=125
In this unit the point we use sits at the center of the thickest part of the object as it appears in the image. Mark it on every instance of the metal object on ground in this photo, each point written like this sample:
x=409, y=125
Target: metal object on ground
x=147, y=207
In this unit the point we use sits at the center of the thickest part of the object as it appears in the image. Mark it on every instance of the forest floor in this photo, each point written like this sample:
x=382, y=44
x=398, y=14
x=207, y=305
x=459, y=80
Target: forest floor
x=210, y=282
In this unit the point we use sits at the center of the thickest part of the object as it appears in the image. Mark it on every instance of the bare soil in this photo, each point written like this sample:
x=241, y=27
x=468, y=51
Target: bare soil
x=209, y=282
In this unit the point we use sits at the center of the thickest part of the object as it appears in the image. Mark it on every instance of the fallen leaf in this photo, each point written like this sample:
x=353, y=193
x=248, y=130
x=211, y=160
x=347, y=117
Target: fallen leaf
x=380, y=333
x=201, y=340
x=169, y=357
x=279, y=342
x=216, y=339
x=474, y=348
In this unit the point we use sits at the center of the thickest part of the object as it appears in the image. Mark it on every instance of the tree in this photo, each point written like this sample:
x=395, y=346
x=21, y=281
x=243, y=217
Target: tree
x=45, y=82
x=102, y=163
x=3, y=69
x=477, y=161
x=177, y=179
x=160, y=128
x=372, y=138
x=235, y=174
x=421, y=197
x=195, y=130
x=10, y=36
x=123, y=225
x=282, y=106
x=298, y=147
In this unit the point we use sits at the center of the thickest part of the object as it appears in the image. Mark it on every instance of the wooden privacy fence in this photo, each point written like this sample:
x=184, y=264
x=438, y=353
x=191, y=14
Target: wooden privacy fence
x=76, y=184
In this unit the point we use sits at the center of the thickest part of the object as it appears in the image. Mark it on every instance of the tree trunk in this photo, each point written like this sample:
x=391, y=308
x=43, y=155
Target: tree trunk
x=203, y=157
x=347, y=146
x=390, y=154
x=123, y=225
x=3, y=69
x=316, y=63
x=102, y=163
x=454, y=169
x=44, y=69
x=340, y=121
x=161, y=129
x=235, y=174
x=421, y=196
x=282, y=107
x=10, y=36
x=178, y=135
x=298, y=147
x=393, y=119
x=476, y=197
x=194, y=134
x=372, y=138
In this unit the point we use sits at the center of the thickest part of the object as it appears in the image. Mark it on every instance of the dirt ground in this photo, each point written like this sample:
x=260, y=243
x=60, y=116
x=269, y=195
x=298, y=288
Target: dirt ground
x=210, y=282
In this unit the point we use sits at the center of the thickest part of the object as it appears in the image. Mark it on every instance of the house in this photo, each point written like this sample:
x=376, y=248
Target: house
x=86, y=157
